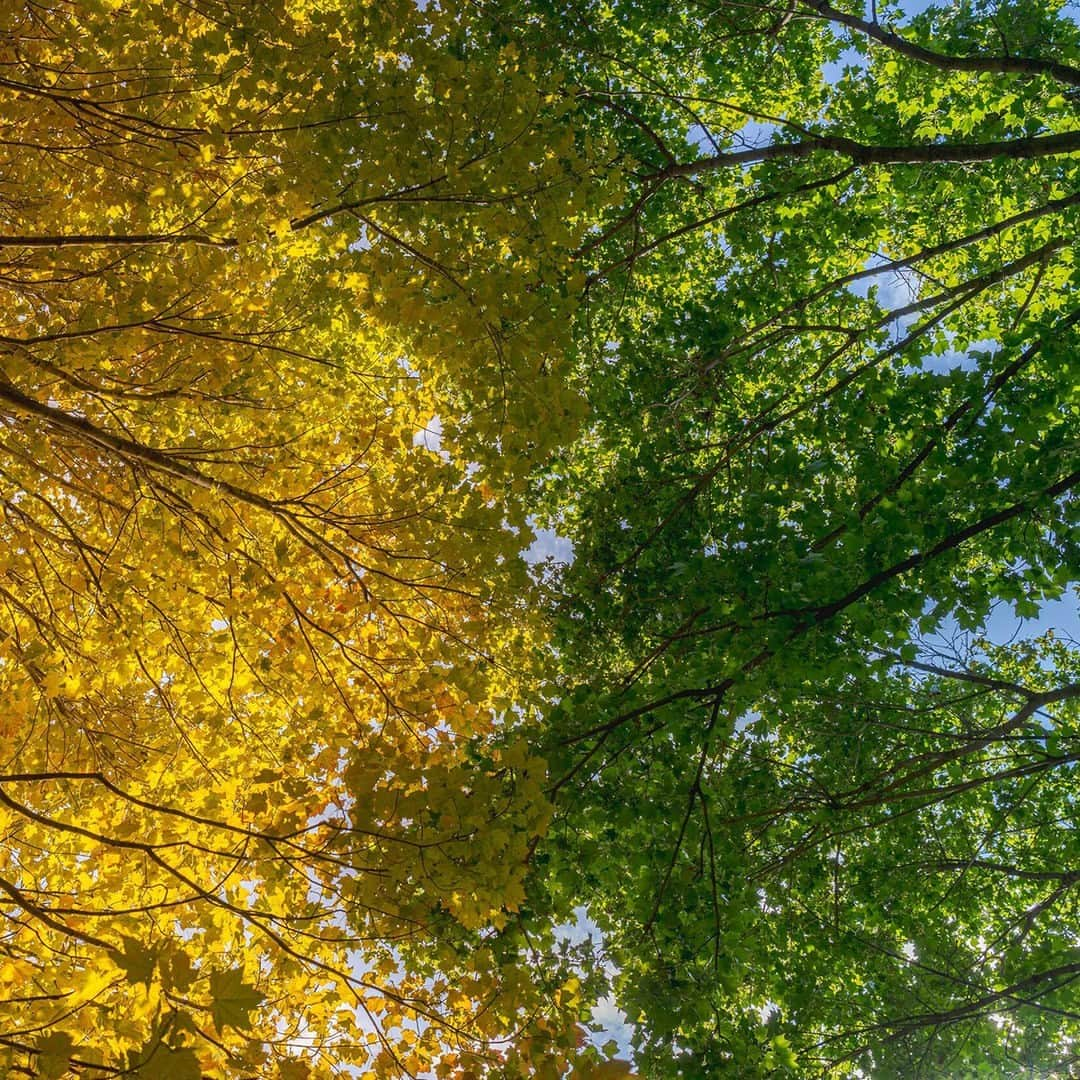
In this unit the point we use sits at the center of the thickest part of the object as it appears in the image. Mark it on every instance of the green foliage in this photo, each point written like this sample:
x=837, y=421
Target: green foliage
x=829, y=344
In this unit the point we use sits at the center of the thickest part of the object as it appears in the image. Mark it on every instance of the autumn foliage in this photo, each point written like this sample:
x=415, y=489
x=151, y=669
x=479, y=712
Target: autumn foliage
x=258, y=634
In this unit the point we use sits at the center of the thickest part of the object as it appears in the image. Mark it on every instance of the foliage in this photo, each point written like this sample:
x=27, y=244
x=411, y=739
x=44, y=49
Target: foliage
x=830, y=350
x=303, y=302
x=258, y=638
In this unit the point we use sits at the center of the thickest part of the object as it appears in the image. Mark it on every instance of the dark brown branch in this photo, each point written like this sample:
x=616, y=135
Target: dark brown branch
x=1002, y=65
x=116, y=240
x=1066, y=142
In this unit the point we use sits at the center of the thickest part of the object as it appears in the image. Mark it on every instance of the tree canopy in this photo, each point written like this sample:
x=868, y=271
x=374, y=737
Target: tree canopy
x=257, y=633
x=829, y=340
x=313, y=311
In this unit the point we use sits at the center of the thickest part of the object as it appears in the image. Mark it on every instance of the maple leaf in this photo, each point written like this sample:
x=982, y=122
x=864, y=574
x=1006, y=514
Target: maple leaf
x=291, y=1069
x=176, y=1063
x=232, y=999
x=136, y=961
x=54, y=1055
x=177, y=971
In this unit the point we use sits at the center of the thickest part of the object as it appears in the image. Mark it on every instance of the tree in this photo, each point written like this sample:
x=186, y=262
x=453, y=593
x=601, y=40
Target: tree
x=830, y=350
x=257, y=637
